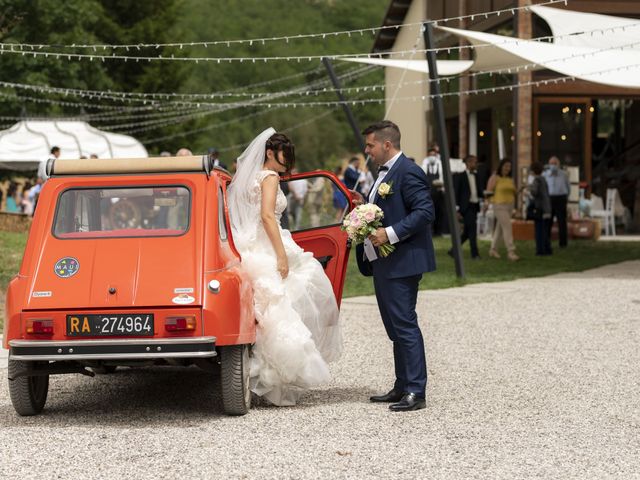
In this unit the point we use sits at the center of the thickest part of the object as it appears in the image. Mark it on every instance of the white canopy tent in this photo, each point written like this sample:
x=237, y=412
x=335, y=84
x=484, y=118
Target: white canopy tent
x=28, y=142
x=445, y=67
x=606, y=65
x=578, y=29
x=597, y=48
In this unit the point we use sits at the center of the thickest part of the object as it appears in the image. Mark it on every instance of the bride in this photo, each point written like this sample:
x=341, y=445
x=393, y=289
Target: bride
x=296, y=311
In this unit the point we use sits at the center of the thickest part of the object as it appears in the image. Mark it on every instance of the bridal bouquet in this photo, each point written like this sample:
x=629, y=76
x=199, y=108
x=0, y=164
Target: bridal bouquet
x=362, y=221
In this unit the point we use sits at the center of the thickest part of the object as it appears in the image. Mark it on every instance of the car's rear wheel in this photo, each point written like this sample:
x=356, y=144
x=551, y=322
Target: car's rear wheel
x=28, y=392
x=234, y=373
x=104, y=369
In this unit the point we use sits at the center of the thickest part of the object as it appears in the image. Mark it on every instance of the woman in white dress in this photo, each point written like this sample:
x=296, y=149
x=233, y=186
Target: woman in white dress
x=295, y=308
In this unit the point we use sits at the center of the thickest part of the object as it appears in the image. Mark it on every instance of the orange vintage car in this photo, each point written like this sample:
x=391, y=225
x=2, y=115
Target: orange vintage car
x=131, y=262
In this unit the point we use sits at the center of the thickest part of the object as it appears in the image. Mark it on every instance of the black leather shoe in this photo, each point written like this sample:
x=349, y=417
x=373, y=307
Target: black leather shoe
x=390, y=397
x=408, y=403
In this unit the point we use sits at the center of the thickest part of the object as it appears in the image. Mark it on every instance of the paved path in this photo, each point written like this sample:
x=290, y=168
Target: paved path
x=533, y=378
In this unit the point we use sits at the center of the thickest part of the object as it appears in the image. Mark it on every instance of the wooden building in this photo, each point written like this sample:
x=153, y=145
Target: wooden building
x=592, y=126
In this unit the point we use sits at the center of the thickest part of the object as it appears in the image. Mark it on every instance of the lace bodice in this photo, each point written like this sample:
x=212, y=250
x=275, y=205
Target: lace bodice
x=256, y=197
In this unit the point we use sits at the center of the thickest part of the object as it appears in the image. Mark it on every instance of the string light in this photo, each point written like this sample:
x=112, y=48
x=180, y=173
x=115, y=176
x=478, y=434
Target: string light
x=477, y=91
x=526, y=67
x=145, y=96
x=364, y=101
x=346, y=76
x=296, y=58
x=285, y=130
x=379, y=101
x=101, y=116
x=203, y=129
x=172, y=58
x=251, y=41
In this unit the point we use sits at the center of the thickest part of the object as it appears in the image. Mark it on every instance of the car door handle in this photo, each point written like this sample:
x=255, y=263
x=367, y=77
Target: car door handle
x=324, y=260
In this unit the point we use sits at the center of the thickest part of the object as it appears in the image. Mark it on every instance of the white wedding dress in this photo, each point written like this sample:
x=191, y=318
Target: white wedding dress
x=297, y=331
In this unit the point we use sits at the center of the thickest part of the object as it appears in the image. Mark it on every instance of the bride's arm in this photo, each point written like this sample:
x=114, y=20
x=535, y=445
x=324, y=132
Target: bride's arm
x=268, y=216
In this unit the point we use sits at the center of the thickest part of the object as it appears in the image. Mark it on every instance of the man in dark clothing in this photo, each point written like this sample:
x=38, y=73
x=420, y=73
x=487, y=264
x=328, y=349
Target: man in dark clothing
x=213, y=156
x=468, y=193
x=559, y=189
x=352, y=177
x=432, y=166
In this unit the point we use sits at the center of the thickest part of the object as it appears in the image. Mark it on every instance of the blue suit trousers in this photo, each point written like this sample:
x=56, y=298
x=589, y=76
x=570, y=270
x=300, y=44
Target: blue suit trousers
x=397, y=299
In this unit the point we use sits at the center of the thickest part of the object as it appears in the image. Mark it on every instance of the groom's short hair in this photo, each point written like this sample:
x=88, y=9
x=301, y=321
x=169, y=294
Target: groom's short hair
x=385, y=130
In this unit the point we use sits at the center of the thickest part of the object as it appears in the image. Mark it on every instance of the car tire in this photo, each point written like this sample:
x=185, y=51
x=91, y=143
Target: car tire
x=234, y=373
x=104, y=369
x=28, y=392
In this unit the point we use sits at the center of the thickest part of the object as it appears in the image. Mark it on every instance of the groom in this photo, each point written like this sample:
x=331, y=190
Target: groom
x=402, y=192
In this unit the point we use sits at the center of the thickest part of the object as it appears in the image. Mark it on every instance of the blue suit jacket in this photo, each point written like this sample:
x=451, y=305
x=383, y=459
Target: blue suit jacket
x=409, y=210
x=351, y=178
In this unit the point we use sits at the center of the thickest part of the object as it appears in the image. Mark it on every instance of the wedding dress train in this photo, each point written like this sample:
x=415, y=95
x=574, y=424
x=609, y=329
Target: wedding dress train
x=297, y=317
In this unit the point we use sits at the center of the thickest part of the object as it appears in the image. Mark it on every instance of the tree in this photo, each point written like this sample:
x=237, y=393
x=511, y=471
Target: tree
x=318, y=136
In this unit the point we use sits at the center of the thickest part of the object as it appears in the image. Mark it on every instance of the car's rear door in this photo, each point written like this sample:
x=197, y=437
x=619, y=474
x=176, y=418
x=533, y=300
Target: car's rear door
x=317, y=202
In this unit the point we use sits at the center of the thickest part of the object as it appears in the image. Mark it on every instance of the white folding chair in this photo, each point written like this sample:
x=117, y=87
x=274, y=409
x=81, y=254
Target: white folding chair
x=608, y=213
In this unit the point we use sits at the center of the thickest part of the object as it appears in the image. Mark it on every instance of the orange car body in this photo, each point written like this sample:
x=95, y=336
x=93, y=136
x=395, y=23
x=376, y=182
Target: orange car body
x=86, y=295
x=135, y=274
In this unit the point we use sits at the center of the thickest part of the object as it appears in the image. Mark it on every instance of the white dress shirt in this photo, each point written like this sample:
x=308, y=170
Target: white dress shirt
x=381, y=174
x=433, y=169
x=473, y=198
x=298, y=189
x=393, y=238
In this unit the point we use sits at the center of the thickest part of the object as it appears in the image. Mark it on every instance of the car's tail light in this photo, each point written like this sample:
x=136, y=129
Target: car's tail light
x=179, y=324
x=42, y=326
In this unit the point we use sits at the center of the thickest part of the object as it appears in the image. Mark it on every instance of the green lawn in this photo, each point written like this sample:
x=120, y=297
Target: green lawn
x=11, y=249
x=581, y=255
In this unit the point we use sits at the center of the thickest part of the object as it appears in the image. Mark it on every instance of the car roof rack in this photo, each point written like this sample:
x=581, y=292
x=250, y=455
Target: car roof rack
x=102, y=166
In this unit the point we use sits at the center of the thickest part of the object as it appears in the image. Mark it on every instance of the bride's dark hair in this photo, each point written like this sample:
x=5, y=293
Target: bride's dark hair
x=280, y=142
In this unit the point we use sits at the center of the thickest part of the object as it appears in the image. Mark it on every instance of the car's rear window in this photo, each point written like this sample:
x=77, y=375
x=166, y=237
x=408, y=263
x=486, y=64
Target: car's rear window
x=107, y=212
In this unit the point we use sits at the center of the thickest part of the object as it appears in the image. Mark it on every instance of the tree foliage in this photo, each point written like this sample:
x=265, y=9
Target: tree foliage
x=163, y=21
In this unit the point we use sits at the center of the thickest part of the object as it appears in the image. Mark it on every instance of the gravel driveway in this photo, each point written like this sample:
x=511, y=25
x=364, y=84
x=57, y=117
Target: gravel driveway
x=534, y=378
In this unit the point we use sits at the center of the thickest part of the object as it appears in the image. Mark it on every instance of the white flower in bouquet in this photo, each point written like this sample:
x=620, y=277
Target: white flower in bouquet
x=362, y=221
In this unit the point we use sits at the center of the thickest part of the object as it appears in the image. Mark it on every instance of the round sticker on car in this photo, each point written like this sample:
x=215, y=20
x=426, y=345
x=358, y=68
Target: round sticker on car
x=66, y=267
x=183, y=299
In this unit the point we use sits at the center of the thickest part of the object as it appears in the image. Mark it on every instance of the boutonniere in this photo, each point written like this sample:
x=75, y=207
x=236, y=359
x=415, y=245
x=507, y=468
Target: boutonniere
x=385, y=189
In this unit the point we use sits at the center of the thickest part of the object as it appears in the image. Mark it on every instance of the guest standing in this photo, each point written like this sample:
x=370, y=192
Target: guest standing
x=339, y=199
x=42, y=167
x=297, y=194
x=214, y=158
x=559, y=189
x=466, y=188
x=25, y=200
x=541, y=210
x=13, y=201
x=432, y=166
x=503, y=199
x=352, y=178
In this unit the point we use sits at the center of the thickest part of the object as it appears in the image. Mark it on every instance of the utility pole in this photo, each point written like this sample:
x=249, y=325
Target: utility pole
x=345, y=106
x=438, y=108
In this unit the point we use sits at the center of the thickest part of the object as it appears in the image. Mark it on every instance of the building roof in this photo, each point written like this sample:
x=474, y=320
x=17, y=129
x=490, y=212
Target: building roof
x=395, y=15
